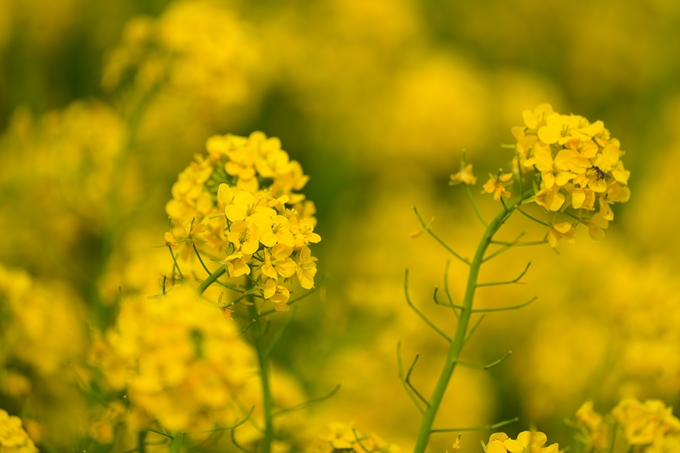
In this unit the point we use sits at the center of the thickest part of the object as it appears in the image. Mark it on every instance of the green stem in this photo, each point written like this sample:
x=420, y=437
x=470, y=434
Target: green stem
x=459, y=339
x=176, y=443
x=262, y=358
x=211, y=279
x=141, y=438
x=474, y=205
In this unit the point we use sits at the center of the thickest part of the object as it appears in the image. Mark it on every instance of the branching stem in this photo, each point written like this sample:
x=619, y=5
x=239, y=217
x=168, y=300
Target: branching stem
x=461, y=331
x=436, y=238
x=474, y=205
x=419, y=313
x=508, y=282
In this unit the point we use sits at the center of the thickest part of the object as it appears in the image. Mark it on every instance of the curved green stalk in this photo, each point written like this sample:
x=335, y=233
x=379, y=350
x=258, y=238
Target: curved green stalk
x=176, y=443
x=211, y=279
x=465, y=312
x=263, y=361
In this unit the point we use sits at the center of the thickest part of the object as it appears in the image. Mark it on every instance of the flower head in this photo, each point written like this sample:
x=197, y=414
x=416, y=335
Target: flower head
x=244, y=192
x=577, y=166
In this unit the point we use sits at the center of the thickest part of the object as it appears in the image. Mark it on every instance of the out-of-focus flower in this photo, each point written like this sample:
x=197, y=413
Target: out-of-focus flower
x=648, y=427
x=593, y=426
x=464, y=176
x=563, y=230
x=103, y=421
x=456, y=445
x=200, y=47
x=343, y=436
x=180, y=363
x=56, y=182
x=646, y=423
x=497, y=185
x=13, y=437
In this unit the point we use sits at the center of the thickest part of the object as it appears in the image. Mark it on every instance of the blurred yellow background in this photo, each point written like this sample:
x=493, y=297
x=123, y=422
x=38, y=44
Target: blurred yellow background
x=377, y=100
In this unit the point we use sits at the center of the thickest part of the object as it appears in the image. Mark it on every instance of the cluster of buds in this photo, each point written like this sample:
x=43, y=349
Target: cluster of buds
x=238, y=206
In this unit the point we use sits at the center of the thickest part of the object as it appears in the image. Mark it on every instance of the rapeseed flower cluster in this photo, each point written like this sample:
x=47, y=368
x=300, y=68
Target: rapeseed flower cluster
x=344, y=437
x=577, y=165
x=176, y=362
x=526, y=442
x=648, y=426
x=13, y=437
x=238, y=206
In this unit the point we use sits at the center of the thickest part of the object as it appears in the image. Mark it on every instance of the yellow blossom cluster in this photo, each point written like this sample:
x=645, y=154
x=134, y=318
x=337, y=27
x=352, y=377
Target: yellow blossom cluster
x=648, y=426
x=199, y=47
x=344, y=437
x=178, y=364
x=237, y=206
x=577, y=165
x=13, y=437
x=527, y=441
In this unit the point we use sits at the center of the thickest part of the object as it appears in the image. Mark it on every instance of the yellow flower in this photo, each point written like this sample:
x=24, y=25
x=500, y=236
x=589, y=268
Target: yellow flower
x=344, y=437
x=551, y=199
x=244, y=207
x=237, y=264
x=597, y=226
x=645, y=423
x=277, y=261
x=281, y=232
x=563, y=230
x=464, y=176
x=536, y=119
x=552, y=171
x=303, y=229
x=557, y=128
x=608, y=161
x=588, y=416
x=306, y=268
x=245, y=236
x=496, y=185
x=277, y=294
x=527, y=441
x=456, y=444
x=596, y=430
